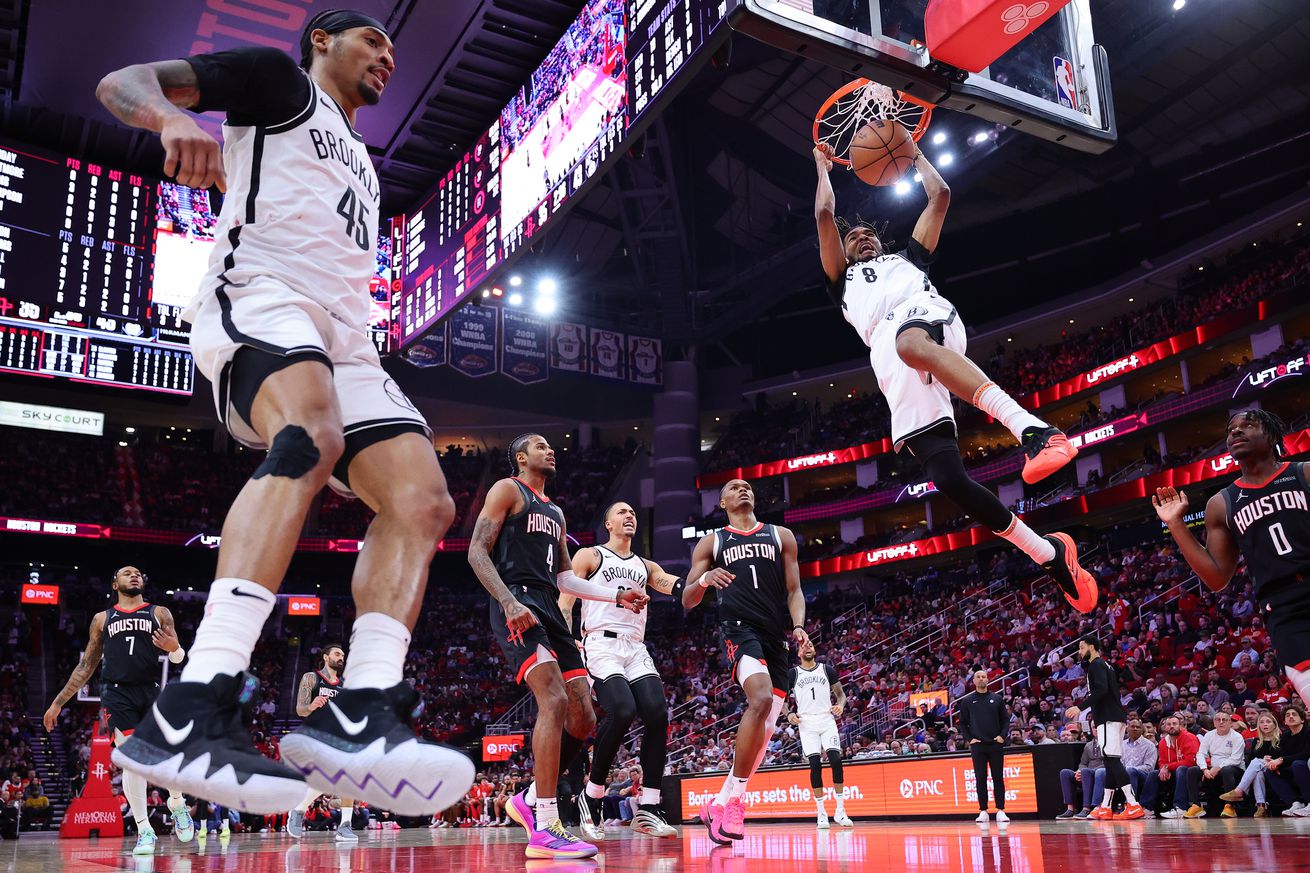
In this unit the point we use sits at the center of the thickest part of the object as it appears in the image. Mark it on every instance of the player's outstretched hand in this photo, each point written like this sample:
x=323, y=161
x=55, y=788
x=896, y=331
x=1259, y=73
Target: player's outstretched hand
x=793, y=718
x=823, y=157
x=800, y=636
x=1170, y=504
x=51, y=717
x=166, y=639
x=518, y=618
x=633, y=600
x=191, y=156
x=717, y=578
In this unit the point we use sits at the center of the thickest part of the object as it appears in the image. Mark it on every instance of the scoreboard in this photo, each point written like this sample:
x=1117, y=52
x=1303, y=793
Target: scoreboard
x=605, y=76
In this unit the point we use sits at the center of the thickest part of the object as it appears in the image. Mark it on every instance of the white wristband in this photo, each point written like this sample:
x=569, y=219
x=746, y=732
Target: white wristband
x=701, y=580
x=176, y=656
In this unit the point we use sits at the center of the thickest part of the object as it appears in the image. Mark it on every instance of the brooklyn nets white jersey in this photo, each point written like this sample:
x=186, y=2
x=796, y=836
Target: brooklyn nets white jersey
x=620, y=572
x=871, y=289
x=813, y=691
x=302, y=207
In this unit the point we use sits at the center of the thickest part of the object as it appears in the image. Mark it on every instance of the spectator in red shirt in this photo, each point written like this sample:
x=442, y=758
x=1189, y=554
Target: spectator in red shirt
x=1177, y=751
x=1274, y=694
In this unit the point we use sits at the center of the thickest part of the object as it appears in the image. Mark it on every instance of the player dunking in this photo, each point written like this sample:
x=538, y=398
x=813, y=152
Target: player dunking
x=1263, y=517
x=814, y=686
x=520, y=555
x=753, y=568
x=916, y=346
x=623, y=674
x=279, y=326
x=129, y=637
x=317, y=687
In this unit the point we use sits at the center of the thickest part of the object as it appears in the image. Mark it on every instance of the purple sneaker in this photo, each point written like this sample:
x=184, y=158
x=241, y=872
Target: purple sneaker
x=556, y=842
x=711, y=815
x=521, y=811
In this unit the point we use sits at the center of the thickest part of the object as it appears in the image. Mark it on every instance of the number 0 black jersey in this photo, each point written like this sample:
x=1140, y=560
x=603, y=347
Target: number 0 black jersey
x=1271, y=523
x=527, y=550
x=758, y=593
x=130, y=656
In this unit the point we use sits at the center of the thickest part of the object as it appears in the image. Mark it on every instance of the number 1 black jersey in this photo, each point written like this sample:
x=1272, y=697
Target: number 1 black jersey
x=130, y=655
x=1271, y=524
x=527, y=550
x=758, y=593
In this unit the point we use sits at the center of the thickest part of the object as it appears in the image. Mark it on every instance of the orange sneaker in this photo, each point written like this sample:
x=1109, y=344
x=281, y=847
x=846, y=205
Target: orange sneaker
x=1078, y=586
x=1102, y=813
x=1048, y=450
x=1130, y=812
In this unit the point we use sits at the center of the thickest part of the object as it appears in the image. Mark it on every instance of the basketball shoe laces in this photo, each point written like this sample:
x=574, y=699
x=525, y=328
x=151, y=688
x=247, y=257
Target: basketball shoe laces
x=734, y=814
x=556, y=830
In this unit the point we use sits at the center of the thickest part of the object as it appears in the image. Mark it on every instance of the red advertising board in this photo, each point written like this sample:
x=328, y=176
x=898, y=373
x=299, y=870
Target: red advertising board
x=910, y=787
x=298, y=605
x=502, y=747
x=46, y=595
x=830, y=458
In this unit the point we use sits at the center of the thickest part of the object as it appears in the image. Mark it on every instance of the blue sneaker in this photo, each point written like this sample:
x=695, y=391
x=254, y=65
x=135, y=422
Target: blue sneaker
x=183, y=827
x=145, y=843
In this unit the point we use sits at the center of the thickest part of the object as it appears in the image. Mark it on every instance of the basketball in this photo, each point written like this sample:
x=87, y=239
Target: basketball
x=882, y=152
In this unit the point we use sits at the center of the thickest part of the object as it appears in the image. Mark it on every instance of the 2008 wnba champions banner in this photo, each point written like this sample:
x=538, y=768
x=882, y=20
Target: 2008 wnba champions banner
x=525, y=340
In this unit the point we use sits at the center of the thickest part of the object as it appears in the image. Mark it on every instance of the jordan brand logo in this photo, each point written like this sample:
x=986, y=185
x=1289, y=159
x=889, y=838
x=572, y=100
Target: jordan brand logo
x=173, y=736
x=351, y=727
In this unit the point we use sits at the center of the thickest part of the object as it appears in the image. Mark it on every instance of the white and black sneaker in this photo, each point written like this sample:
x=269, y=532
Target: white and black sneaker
x=591, y=817
x=652, y=820
x=361, y=745
x=194, y=739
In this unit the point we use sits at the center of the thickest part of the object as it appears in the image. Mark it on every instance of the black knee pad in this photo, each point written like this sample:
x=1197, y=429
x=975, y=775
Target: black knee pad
x=816, y=772
x=292, y=454
x=834, y=761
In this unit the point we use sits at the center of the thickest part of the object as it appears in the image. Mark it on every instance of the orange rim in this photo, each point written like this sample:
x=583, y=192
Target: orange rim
x=919, y=129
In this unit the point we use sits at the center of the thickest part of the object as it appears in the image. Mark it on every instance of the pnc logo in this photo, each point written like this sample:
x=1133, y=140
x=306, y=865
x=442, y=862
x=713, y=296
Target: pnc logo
x=1018, y=17
x=911, y=788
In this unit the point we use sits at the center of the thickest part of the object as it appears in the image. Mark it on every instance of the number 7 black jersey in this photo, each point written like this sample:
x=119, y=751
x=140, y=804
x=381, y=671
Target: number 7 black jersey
x=758, y=593
x=1271, y=523
x=527, y=550
x=130, y=655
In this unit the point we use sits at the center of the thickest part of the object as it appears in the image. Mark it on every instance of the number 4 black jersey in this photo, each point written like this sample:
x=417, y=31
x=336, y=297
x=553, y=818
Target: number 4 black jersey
x=1271, y=522
x=758, y=593
x=527, y=550
x=130, y=655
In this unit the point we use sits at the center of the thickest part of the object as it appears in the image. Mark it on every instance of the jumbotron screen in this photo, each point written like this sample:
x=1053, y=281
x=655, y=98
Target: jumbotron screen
x=552, y=138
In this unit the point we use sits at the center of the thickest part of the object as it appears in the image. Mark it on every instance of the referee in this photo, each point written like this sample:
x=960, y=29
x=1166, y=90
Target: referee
x=984, y=720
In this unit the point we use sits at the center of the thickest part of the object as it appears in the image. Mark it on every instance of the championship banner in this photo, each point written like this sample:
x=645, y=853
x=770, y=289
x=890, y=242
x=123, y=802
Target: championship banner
x=645, y=360
x=431, y=349
x=473, y=341
x=608, y=354
x=568, y=347
x=908, y=787
x=525, y=340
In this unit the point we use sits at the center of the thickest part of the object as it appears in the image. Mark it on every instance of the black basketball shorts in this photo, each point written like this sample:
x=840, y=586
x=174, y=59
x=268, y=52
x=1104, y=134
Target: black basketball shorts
x=125, y=705
x=549, y=633
x=1285, y=607
x=741, y=640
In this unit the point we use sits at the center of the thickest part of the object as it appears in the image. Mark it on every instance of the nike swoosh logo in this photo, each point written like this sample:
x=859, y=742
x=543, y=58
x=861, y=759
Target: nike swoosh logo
x=174, y=736
x=350, y=727
x=239, y=593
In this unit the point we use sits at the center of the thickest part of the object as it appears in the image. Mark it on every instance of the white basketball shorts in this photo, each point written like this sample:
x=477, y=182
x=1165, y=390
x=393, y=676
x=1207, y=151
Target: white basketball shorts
x=818, y=734
x=616, y=656
x=918, y=401
x=1110, y=736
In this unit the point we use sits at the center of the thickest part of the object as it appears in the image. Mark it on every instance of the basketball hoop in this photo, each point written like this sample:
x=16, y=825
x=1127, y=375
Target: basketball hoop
x=857, y=103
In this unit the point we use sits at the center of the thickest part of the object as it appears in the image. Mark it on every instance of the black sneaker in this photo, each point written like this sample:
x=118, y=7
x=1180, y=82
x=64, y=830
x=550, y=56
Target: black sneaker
x=652, y=820
x=194, y=739
x=361, y=745
x=1066, y=815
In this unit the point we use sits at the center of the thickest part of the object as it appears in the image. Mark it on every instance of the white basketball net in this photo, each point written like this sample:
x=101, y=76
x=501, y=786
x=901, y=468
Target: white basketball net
x=837, y=126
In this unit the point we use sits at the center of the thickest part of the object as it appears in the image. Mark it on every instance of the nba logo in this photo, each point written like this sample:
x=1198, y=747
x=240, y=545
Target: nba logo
x=1066, y=88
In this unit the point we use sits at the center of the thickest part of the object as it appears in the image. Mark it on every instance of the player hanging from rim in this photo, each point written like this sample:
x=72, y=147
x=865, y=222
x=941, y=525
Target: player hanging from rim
x=129, y=637
x=279, y=326
x=520, y=554
x=623, y=674
x=317, y=687
x=814, y=686
x=1262, y=517
x=753, y=568
x=916, y=346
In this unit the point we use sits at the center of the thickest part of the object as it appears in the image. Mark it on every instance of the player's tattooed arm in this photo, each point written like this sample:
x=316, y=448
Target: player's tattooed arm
x=304, y=696
x=502, y=499
x=82, y=673
x=658, y=580
x=165, y=638
x=839, y=705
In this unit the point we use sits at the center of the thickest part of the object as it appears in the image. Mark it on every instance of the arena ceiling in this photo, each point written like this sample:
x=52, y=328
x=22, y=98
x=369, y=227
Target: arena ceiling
x=708, y=234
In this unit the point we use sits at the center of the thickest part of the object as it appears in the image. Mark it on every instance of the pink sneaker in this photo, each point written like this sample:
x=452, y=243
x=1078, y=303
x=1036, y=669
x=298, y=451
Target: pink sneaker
x=556, y=842
x=521, y=812
x=712, y=816
x=734, y=819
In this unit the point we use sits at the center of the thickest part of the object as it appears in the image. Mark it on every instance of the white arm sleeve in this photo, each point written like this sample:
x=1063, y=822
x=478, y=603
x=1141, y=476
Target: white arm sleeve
x=571, y=583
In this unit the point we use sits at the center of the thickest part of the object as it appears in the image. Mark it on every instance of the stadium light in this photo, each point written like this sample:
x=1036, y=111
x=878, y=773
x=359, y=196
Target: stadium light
x=902, y=188
x=515, y=281
x=130, y=429
x=515, y=299
x=486, y=292
x=946, y=160
x=918, y=177
x=547, y=286
x=1179, y=4
x=938, y=138
x=545, y=306
x=981, y=137
x=497, y=291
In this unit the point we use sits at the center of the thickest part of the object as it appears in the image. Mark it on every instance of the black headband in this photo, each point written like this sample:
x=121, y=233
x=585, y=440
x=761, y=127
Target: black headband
x=334, y=21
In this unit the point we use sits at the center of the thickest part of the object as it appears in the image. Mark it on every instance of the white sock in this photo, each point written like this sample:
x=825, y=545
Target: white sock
x=1109, y=797
x=346, y=813
x=378, y=645
x=310, y=796
x=841, y=800
x=547, y=811
x=175, y=799
x=596, y=791
x=531, y=795
x=1128, y=793
x=733, y=786
x=134, y=789
x=1001, y=406
x=649, y=797
x=1028, y=541
x=229, y=630
x=818, y=804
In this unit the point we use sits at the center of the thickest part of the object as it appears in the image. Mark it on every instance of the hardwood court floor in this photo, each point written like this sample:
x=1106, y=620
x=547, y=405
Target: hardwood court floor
x=1267, y=845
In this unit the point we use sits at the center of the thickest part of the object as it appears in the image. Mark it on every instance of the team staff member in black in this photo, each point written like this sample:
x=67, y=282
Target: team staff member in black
x=520, y=554
x=1111, y=721
x=129, y=636
x=984, y=721
x=1265, y=517
x=757, y=578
